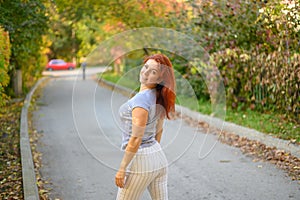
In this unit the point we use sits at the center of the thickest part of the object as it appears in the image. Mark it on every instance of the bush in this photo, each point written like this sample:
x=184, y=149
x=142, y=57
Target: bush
x=261, y=81
x=4, y=63
x=255, y=45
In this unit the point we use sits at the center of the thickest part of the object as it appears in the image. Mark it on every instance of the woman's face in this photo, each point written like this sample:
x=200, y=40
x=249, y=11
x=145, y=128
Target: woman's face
x=150, y=73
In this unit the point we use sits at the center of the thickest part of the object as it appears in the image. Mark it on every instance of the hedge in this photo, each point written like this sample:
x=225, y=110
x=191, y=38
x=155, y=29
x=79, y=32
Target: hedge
x=261, y=81
x=4, y=64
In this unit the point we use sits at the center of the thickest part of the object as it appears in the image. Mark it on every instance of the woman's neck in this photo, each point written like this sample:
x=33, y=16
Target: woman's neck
x=147, y=87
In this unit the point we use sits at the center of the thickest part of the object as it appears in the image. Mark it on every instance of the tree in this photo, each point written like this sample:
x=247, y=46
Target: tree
x=91, y=22
x=26, y=23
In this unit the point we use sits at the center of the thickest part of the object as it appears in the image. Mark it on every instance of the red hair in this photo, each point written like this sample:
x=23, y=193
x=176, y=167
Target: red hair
x=166, y=89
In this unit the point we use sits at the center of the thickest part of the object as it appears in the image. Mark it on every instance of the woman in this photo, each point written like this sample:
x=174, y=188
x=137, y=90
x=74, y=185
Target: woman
x=144, y=165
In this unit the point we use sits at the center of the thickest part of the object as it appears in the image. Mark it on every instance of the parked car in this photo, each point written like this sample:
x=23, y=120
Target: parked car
x=58, y=64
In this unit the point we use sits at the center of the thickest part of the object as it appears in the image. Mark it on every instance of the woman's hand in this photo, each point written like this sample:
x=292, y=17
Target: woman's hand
x=120, y=178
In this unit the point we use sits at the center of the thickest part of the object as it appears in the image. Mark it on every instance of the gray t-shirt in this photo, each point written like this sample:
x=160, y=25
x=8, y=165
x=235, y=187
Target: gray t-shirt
x=145, y=99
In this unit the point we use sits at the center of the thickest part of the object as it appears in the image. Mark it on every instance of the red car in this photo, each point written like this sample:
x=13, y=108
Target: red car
x=58, y=64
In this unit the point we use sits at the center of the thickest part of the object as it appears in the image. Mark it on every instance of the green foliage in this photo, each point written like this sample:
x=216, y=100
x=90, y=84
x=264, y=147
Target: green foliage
x=260, y=80
x=26, y=22
x=255, y=46
x=225, y=24
x=119, y=80
x=199, y=86
x=4, y=63
x=77, y=27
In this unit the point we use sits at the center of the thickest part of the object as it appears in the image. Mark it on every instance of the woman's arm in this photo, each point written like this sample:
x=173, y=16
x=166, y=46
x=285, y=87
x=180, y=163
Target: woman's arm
x=139, y=120
x=159, y=129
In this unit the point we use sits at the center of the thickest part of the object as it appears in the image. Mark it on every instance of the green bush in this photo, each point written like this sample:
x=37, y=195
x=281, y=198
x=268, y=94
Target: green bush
x=4, y=63
x=261, y=81
x=255, y=45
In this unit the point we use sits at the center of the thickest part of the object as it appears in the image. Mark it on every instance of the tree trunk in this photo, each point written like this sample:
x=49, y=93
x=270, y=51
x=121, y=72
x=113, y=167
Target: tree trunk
x=17, y=82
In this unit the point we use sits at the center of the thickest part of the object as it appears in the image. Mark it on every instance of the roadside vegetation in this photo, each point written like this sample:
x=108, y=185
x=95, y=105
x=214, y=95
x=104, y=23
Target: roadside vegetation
x=269, y=123
x=255, y=47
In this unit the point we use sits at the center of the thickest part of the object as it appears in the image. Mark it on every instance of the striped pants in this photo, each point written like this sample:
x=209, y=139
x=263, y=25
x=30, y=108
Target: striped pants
x=147, y=170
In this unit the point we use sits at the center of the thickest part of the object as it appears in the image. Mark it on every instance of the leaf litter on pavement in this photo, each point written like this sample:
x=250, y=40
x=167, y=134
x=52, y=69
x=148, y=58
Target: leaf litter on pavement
x=44, y=192
x=257, y=150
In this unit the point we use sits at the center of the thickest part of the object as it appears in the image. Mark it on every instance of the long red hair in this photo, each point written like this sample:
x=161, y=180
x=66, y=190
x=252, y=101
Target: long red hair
x=166, y=89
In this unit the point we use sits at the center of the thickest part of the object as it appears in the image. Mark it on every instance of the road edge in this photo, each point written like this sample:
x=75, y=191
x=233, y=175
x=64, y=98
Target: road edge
x=241, y=131
x=30, y=189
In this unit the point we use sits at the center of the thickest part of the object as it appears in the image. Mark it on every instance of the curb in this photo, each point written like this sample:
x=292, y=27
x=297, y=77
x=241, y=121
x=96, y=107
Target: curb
x=222, y=125
x=30, y=189
x=241, y=131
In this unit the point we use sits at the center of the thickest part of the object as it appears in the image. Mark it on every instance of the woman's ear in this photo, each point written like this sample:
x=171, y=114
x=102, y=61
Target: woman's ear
x=160, y=80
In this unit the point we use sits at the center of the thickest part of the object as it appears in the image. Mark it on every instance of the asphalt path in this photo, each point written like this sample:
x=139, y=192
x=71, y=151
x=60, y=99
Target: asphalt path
x=80, y=146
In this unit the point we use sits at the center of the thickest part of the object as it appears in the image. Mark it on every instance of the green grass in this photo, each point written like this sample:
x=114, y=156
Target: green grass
x=194, y=104
x=268, y=123
x=119, y=80
x=273, y=123
x=110, y=77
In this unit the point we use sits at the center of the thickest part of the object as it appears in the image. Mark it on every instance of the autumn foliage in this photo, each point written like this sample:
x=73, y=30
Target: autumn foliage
x=4, y=62
x=261, y=81
x=255, y=45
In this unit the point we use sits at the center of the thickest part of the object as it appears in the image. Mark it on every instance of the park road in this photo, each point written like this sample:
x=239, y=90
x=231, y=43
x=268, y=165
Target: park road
x=80, y=145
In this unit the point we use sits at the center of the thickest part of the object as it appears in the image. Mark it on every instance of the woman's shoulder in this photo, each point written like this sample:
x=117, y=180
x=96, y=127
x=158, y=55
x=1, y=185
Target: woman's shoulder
x=149, y=95
x=145, y=98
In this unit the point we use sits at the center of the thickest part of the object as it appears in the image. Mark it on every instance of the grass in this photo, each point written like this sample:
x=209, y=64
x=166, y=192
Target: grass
x=269, y=123
x=192, y=103
x=119, y=80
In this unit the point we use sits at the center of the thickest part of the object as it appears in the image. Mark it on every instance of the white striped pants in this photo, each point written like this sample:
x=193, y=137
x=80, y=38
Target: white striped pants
x=147, y=170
